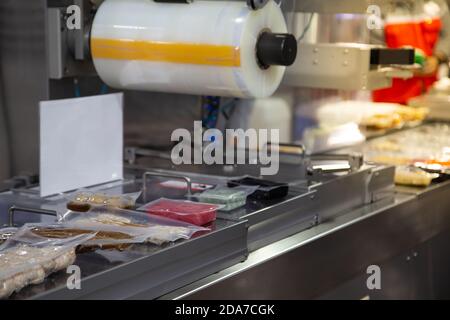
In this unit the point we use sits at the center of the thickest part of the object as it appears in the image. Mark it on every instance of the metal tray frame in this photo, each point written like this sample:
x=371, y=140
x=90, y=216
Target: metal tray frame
x=319, y=202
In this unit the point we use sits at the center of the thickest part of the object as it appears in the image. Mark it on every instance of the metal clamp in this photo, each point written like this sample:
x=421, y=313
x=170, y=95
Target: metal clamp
x=14, y=209
x=22, y=182
x=164, y=175
x=353, y=162
x=290, y=149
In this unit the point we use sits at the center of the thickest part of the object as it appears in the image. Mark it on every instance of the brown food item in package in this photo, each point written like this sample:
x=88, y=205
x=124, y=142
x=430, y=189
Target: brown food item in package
x=62, y=233
x=84, y=201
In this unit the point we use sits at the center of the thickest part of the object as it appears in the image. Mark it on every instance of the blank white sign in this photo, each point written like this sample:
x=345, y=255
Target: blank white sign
x=81, y=142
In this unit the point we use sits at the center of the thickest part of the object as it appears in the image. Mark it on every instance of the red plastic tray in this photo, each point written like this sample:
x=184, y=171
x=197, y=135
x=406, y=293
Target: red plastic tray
x=187, y=211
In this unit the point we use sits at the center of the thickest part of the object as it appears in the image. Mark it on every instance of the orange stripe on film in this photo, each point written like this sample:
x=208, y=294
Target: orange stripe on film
x=183, y=53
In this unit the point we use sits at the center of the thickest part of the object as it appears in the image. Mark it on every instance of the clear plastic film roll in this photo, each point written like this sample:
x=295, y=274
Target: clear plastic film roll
x=202, y=48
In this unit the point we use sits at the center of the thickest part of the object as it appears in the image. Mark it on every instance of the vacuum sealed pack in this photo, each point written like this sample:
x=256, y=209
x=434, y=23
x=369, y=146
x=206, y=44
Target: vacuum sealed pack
x=412, y=176
x=183, y=210
x=117, y=227
x=27, y=258
x=230, y=198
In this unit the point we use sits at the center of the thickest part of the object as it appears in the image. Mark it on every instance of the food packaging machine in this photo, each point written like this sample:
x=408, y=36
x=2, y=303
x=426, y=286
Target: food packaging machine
x=341, y=215
x=316, y=242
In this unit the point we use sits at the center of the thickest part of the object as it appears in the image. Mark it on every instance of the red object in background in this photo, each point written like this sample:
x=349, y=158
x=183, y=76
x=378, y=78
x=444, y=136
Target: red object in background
x=187, y=211
x=422, y=34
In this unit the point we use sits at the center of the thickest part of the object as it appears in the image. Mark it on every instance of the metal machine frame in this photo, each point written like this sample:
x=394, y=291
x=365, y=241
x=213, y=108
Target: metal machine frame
x=330, y=66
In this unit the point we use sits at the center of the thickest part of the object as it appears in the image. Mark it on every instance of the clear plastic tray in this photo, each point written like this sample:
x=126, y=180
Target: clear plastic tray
x=230, y=198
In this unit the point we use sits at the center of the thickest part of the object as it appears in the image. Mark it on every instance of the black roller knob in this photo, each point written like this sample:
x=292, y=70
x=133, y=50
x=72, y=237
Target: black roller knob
x=276, y=49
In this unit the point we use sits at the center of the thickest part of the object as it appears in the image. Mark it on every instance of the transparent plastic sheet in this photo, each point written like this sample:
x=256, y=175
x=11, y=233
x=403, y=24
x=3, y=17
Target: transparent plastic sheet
x=416, y=153
x=136, y=45
x=27, y=258
x=230, y=198
x=428, y=144
x=183, y=210
x=180, y=185
x=118, y=227
x=84, y=200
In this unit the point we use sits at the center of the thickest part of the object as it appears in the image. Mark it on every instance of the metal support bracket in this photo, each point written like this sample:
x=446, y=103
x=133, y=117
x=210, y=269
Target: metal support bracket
x=379, y=184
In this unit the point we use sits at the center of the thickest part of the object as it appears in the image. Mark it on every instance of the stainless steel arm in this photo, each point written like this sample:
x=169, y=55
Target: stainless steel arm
x=344, y=163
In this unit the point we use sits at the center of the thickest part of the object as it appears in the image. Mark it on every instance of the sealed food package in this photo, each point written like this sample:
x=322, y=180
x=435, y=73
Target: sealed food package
x=219, y=48
x=183, y=210
x=230, y=198
x=117, y=227
x=267, y=190
x=6, y=233
x=426, y=144
x=412, y=176
x=83, y=201
x=27, y=258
